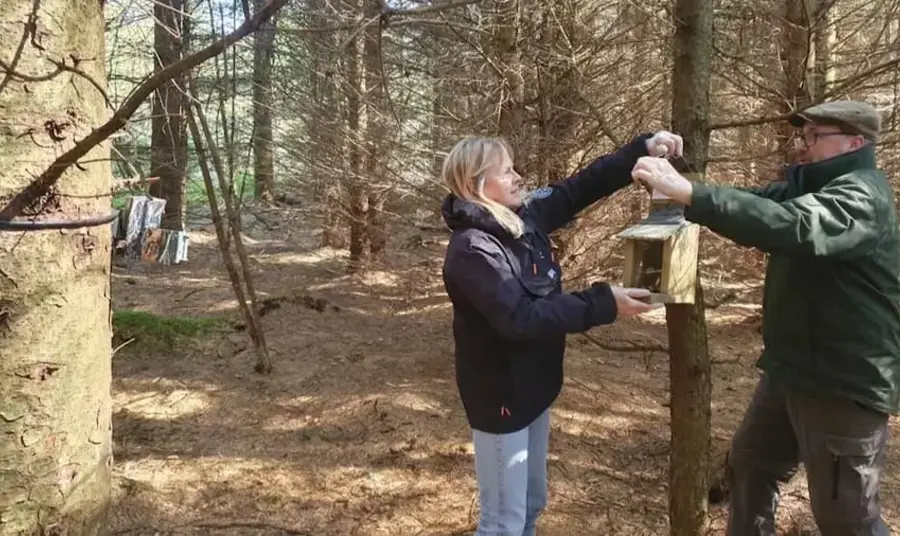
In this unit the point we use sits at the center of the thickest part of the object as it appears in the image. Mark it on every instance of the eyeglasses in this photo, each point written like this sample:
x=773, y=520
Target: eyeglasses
x=808, y=139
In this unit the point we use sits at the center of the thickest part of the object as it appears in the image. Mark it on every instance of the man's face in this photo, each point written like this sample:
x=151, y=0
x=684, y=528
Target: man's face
x=821, y=142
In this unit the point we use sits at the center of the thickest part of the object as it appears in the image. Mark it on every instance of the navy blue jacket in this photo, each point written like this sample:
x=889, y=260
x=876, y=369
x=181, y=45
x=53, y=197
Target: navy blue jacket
x=510, y=316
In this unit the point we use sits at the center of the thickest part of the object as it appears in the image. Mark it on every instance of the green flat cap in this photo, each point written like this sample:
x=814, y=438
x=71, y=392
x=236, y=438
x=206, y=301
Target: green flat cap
x=852, y=116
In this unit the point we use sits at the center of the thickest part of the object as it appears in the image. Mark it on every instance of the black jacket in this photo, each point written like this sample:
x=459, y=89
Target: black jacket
x=510, y=317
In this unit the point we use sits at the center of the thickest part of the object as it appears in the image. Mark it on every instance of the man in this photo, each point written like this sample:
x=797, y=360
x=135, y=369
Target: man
x=831, y=320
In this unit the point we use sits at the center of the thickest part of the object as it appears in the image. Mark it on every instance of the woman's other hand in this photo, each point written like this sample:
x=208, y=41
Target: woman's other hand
x=628, y=301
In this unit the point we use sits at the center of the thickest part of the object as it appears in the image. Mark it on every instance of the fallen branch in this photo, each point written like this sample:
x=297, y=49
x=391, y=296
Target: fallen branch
x=218, y=525
x=40, y=186
x=725, y=299
x=253, y=525
x=630, y=347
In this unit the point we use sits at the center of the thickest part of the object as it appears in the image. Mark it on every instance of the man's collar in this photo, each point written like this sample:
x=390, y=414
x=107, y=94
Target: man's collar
x=815, y=175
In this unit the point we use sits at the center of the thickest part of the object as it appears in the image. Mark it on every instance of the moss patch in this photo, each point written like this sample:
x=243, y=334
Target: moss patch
x=150, y=330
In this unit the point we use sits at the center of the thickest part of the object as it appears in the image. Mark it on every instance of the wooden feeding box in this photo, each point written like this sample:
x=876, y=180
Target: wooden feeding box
x=661, y=253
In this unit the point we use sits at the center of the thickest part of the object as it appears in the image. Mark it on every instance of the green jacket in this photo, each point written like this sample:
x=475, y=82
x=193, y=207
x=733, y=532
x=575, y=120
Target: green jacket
x=831, y=303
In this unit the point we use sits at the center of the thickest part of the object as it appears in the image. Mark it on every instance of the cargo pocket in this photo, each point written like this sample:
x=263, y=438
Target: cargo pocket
x=854, y=477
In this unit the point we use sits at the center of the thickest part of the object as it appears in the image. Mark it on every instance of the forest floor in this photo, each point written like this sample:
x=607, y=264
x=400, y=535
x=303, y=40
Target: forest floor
x=359, y=430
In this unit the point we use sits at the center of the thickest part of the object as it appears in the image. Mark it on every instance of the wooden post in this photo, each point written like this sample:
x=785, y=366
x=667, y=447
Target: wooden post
x=689, y=369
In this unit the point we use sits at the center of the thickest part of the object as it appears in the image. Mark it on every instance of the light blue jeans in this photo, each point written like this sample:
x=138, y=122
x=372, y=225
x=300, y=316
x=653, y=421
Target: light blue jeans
x=512, y=478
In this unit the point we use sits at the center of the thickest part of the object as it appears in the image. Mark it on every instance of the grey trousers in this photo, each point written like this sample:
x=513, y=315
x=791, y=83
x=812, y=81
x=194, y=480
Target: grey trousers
x=840, y=443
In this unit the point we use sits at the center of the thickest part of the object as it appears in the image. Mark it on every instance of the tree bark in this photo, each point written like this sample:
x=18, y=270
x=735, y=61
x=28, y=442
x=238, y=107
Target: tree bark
x=325, y=128
x=263, y=163
x=55, y=353
x=796, y=64
x=438, y=102
x=44, y=183
x=442, y=127
x=512, y=120
x=375, y=134
x=825, y=37
x=168, y=144
x=689, y=368
x=558, y=83
x=356, y=119
x=375, y=224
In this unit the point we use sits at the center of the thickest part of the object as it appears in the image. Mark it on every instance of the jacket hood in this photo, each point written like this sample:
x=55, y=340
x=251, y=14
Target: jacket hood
x=461, y=214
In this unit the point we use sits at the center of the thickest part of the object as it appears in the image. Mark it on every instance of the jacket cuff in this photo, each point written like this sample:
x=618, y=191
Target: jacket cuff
x=702, y=205
x=637, y=147
x=602, y=309
x=628, y=154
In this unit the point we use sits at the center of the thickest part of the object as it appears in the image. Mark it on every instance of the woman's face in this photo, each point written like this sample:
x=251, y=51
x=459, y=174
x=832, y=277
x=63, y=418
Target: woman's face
x=502, y=184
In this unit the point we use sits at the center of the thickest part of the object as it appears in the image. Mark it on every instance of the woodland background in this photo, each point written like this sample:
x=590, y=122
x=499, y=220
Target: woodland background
x=319, y=398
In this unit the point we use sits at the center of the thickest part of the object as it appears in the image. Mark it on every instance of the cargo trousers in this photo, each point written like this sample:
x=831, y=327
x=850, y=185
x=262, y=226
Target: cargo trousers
x=841, y=445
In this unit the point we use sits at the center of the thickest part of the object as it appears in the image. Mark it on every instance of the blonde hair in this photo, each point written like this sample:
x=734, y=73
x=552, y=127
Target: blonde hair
x=464, y=172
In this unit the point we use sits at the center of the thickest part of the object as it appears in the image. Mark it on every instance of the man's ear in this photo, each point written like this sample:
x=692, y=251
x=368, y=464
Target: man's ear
x=857, y=142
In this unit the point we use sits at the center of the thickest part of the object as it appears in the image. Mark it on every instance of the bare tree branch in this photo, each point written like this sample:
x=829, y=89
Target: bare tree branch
x=387, y=14
x=839, y=89
x=52, y=174
x=30, y=29
x=390, y=11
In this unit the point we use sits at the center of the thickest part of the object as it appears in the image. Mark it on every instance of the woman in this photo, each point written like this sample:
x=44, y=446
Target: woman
x=510, y=316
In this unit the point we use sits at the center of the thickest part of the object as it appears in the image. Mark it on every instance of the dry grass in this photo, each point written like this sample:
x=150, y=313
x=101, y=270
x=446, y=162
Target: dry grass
x=359, y=431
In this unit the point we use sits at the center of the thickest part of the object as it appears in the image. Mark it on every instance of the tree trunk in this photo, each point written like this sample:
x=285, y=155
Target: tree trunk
x=334, y=233
x=689, y=367
x=324, y=128
x=263, y=164
x=375, y=134
x=442, y=127
x=377, y=233
x=511, y=124
x=359, y=207
x=356, y=119
x=168, y=152
x=825, y=38
x=55, y=404
x=795, y=62
x=558, y=80
x=439, y=99
x=204, y=143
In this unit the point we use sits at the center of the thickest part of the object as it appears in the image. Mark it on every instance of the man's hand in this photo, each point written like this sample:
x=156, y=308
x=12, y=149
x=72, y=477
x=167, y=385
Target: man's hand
x=627, y=304
x=664, y=143
x=658, y=174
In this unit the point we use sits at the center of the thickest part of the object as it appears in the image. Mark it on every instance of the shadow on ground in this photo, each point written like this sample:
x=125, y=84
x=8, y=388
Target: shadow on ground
x=359, y=430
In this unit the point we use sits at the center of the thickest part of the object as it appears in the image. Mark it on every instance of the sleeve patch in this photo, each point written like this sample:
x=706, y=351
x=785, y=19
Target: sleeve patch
x=542, y=193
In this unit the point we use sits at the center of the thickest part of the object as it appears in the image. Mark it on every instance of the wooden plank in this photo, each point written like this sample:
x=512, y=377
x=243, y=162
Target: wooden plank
x=680, y=264
x=632, y=264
